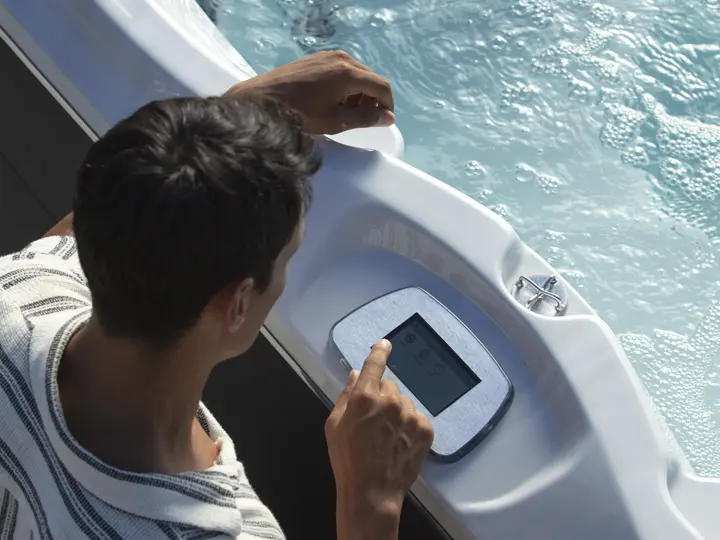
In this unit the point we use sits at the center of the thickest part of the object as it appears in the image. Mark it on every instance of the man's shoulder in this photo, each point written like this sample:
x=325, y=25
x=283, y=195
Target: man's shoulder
x=51, y=252
x=45, y=275
x=42, y=279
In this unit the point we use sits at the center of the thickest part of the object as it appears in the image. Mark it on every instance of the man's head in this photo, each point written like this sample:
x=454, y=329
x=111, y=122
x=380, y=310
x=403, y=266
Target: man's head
x=186, y=214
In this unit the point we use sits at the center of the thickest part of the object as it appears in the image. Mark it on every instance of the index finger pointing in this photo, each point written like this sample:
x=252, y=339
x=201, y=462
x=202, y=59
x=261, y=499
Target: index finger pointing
x=374, y=367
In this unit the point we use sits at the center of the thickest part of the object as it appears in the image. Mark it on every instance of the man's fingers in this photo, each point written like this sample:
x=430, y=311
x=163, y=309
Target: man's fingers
x=374, y=367
x=360, y=100
x=371, y=84
x=367, y=101
x=407, y=403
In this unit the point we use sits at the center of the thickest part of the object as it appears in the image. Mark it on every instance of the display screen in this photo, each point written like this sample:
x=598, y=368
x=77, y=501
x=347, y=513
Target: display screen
x=428, y=366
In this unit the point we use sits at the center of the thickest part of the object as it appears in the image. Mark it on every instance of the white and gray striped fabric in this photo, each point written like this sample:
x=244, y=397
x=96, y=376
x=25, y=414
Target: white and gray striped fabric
x=50, y=487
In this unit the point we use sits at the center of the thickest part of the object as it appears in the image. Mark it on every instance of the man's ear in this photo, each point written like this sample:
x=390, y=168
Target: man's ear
x=239, y=304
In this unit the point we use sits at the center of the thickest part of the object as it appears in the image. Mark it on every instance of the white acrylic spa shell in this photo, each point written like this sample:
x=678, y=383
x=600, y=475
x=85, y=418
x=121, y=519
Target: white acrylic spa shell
x=580, y=453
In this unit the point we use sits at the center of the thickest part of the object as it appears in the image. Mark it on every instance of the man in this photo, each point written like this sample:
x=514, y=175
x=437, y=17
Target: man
x=185, y=217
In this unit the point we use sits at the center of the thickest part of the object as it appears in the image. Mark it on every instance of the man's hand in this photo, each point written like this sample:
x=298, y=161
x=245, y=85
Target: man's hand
x=377, y=442
x=333, y=91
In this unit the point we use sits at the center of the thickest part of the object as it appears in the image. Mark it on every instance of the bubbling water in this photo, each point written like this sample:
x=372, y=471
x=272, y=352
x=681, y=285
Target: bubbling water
x=592, y=127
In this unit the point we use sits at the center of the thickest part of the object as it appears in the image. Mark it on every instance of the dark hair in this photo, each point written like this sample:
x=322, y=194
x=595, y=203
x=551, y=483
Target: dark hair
x=181, y=199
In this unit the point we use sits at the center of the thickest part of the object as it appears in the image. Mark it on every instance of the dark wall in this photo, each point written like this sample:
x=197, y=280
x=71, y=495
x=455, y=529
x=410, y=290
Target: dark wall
x=41, y=148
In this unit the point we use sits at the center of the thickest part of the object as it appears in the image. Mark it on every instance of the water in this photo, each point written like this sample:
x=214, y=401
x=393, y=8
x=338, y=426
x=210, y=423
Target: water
x=593, y=128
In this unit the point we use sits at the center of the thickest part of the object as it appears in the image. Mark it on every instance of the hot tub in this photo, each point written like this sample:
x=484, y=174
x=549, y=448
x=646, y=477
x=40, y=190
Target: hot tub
x=580, y=452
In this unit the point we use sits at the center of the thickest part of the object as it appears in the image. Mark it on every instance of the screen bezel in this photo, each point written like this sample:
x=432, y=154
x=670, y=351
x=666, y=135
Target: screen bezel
x=472, y=417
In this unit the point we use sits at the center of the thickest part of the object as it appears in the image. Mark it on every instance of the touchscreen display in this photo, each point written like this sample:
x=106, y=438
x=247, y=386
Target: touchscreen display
x=427, y=365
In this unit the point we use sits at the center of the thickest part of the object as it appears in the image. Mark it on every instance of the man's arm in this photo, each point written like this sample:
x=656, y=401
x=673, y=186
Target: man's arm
x=366, y=521
x=64, y=227
x=330, y=89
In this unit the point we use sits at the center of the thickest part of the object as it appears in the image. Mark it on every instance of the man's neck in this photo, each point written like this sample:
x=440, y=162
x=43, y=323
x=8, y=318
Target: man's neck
x=133, y=407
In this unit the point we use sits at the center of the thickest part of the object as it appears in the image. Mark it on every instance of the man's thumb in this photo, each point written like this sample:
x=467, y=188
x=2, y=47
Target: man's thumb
x=344, y=396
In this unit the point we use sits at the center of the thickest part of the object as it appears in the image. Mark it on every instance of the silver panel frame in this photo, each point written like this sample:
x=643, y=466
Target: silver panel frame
x=468, y=420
